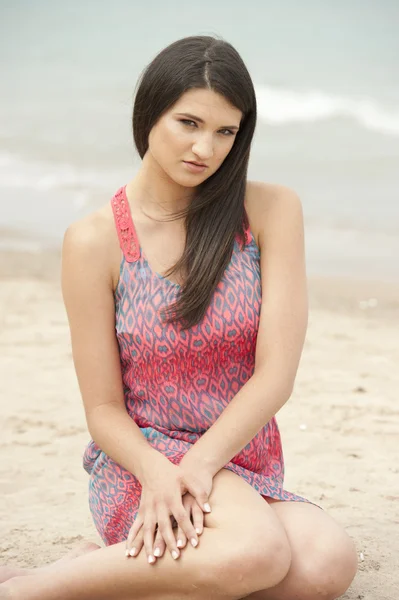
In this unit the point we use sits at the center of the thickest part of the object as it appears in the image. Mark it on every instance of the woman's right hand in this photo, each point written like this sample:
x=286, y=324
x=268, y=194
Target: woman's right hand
x=162, y=489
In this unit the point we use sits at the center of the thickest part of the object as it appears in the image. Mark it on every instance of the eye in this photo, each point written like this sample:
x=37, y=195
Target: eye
x=188, y=122
x=229, y=132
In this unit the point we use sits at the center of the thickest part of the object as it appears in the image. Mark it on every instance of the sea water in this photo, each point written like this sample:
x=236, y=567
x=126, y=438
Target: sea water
x=327, y=85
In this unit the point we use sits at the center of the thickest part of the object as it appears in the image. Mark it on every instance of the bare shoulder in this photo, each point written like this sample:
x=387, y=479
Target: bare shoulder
x=268, y=204
x=92, y=242
x=92, y=232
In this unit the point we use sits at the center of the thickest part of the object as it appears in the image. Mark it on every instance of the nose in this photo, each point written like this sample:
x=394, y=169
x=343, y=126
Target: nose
x=203, y=147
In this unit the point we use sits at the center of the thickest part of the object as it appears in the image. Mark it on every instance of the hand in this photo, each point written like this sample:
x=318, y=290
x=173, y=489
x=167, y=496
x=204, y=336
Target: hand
x=163, y=485
x=196, y=516
x=197, y=479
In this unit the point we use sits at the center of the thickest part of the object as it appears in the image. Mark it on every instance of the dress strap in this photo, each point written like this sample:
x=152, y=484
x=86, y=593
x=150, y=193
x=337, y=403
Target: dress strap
x=248, y=237
x=124, y=226
x=247, y=232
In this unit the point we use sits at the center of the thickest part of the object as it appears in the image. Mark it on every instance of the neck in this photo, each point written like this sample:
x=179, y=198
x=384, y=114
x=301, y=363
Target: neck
x=155, y=193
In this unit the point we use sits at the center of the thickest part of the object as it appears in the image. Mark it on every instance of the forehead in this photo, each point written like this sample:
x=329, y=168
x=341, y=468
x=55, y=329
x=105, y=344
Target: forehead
x=208, y=105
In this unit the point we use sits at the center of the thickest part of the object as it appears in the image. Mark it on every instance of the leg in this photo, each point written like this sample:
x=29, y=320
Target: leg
x=243, y=548
x=324, y=559
x=10, y=572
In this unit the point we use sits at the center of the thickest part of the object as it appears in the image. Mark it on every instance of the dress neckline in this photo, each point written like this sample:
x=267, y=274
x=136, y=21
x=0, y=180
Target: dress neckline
x=140, y=251
x=130, y=244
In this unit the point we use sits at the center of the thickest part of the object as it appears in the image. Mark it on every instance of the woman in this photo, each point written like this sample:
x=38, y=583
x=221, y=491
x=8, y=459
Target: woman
x=187, y=304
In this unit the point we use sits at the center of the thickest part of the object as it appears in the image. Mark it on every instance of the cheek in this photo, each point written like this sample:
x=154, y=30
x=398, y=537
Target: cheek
x=166, y=140
x=223, y=149
x=173, y=137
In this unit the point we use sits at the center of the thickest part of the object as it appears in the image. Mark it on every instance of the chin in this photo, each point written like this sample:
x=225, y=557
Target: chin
x=188, y=181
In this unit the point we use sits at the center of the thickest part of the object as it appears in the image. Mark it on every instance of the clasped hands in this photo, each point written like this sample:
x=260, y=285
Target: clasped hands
x=172, y=495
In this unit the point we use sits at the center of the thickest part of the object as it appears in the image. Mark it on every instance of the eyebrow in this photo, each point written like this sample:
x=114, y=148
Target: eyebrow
x=194, y=118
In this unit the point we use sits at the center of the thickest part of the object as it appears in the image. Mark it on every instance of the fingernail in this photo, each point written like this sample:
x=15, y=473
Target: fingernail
x=207, y=507
x=157, y=552
x=127, y=553
x=133, y=552
x=175, y=554
x=198, y=530
x=179, y=543
x=151, y=559
x=194, y=542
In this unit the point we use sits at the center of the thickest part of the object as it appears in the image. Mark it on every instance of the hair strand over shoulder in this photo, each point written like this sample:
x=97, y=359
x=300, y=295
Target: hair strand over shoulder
x=216, y=213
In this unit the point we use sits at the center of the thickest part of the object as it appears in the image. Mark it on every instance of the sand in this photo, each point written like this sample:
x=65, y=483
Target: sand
x=340, y=429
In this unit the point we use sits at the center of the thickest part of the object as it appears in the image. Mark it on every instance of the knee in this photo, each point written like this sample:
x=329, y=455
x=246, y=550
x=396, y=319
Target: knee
x=270, y=562
x=327, y=572
x=253, y=564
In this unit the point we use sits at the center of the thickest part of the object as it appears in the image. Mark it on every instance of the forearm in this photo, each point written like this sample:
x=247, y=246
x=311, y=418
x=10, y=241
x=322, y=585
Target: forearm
x=250, y=409
x=117, y=434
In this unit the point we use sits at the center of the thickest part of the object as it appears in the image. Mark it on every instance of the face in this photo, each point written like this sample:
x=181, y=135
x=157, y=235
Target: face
x=200, y=127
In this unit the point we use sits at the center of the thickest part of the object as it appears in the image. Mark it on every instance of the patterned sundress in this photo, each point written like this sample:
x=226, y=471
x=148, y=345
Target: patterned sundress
x=177, y=383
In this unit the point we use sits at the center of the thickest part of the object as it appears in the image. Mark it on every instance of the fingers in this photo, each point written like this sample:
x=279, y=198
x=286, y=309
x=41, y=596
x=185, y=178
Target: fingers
x=182, y=517
x=197, y=479
x=187, y=517
x=136, y=545
x=131, y=549
x=203, y=501
x=181, y=539
x=142, y=534
x=159, y=545
x=166, y=531
x=197, y=517
x=149, y=534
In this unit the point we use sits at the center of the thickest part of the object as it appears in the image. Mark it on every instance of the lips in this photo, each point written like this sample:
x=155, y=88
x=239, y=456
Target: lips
x=196, y=163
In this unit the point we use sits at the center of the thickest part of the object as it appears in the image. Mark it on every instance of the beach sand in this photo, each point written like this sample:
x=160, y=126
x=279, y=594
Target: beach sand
x=340, y=429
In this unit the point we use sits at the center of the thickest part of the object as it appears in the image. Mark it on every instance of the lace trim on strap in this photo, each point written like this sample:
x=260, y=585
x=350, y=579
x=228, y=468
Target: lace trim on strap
x=124, y=226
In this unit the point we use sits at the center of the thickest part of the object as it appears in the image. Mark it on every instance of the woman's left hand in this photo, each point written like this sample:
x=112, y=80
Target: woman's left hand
x=197, y=518
x=196, y=477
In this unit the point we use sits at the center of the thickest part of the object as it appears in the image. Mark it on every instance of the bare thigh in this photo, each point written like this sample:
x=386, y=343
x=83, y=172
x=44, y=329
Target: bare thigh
x=323, y=557
x=243, y=548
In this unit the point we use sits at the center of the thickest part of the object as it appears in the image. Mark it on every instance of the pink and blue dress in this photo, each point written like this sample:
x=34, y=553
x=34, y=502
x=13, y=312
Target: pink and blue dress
x=176, y=383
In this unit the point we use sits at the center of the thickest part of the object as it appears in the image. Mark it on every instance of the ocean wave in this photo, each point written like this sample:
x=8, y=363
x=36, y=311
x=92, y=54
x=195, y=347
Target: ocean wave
x=277, y=106
x=44, y=176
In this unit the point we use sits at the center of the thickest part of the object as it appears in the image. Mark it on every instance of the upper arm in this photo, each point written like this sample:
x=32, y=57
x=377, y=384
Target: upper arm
x=88, y=297
x=284, y=308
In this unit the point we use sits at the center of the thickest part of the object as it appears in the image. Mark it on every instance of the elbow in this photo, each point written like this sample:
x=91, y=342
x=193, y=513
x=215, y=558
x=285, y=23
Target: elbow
x=285, y=391
x=281, y=385
x=100, y=416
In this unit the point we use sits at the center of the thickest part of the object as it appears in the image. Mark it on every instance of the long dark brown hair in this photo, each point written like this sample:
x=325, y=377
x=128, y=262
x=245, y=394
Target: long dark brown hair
x=216, y=213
